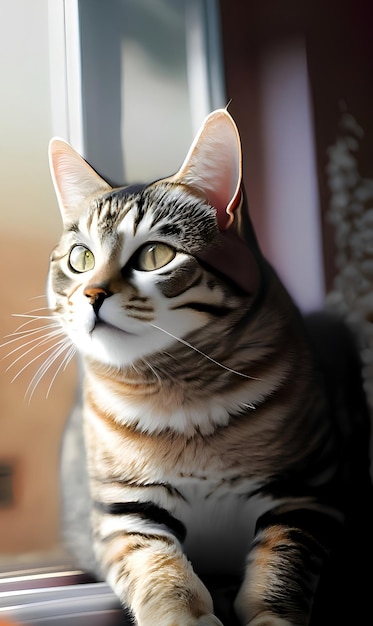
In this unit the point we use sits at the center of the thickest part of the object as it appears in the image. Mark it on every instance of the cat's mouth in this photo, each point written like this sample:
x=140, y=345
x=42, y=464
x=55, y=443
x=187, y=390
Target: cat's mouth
x=101, y=324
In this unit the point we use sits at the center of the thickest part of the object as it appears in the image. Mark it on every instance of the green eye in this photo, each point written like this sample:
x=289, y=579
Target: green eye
x=81, y=259
x=154, y=256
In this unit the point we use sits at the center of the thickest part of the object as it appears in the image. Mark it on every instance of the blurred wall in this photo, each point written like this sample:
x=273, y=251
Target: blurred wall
x=29, y=227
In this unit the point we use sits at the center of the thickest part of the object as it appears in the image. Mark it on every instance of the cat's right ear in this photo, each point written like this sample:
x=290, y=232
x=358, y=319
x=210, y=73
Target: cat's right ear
x=73, y=179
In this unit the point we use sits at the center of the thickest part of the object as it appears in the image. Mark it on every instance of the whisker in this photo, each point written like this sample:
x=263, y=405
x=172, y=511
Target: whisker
x=42, y=339
x=37, y=297
x=20, y=335
x=45, y=366
x=209, y=358
x=41, y=308
x=32, y=319
x=153, y=370
x=38, y=356
x=36, y=317
x=38, y=329
x=39, y=374
x=63, y=365
x=245, y=405
x=25, y=334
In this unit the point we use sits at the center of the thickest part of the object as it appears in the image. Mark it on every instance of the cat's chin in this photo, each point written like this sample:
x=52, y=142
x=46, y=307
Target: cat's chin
x=115, y=346
x=104, y=342
x=112, y=346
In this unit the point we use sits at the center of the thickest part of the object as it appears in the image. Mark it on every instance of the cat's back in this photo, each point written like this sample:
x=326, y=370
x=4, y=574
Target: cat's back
x=337, y=354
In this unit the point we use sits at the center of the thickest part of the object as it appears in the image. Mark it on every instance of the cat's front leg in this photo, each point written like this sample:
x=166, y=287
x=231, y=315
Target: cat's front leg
x=267, y=619
x=153, y=578
x=282, y=574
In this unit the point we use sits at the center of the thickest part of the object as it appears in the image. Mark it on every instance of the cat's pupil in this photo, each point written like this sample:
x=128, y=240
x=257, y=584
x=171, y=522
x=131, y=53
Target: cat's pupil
x=81, y=259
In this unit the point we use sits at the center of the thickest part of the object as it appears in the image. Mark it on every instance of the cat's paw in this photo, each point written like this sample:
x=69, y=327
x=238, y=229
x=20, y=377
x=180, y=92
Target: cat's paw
x=208, y=620
x=266, y=619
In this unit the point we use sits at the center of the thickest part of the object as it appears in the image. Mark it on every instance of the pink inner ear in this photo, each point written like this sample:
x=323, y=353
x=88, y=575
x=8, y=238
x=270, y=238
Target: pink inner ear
x=73, y=178
x=225, y=213
x=213, y=165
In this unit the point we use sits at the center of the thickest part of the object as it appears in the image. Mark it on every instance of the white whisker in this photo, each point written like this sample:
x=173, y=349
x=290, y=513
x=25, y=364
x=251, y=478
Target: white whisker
x=39, y=329
x=37, y=297
x=50, y=319
x=62, y=366
x=206, y=356
x=62, y=346
x=36, y=317
x=25, y=334
x=38, y=356
x=152, y=369
x=21, y=330
x=30, y=333
x=39, y=341
x=41, y=308
x=17, y=335
x=245, y=406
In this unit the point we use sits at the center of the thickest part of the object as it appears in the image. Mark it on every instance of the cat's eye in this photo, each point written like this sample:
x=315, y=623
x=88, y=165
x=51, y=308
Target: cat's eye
x=81, y=259
x=153, y=256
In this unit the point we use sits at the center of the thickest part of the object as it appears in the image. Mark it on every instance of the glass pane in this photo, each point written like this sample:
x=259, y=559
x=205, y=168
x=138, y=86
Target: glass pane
x=154, y=90
x=137, y=121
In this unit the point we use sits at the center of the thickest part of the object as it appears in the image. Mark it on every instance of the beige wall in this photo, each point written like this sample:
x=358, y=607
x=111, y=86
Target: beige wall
x=29, y=227
x=27, y=199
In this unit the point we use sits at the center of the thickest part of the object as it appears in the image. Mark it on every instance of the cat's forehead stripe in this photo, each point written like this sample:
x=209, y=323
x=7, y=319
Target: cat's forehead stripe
x=110, y=211
x=169, y=210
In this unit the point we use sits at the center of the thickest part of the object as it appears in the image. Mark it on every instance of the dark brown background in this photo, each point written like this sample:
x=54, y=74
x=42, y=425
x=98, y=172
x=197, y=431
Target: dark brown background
x=338, y=37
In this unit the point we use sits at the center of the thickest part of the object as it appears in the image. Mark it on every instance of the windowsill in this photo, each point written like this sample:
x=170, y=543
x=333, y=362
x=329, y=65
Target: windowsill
x=52, y=594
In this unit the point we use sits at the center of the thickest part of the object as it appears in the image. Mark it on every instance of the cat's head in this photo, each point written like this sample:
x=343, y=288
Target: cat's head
x=137, y=266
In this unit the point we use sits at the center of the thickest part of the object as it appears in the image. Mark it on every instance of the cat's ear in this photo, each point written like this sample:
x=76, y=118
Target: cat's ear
x=214, y=165
x=73, y=179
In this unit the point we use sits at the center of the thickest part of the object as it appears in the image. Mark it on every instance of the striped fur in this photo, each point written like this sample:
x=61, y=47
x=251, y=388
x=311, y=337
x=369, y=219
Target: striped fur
x=207, y=425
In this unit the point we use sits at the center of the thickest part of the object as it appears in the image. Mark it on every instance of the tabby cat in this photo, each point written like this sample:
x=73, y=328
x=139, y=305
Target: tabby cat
x=217, y=447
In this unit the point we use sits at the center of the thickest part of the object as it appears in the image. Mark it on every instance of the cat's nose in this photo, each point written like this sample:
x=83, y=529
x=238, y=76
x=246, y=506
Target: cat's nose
x=96, y=294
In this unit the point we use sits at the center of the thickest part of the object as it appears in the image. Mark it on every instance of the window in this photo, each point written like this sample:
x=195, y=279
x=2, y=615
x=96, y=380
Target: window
x=119, y=81
x=135, y=77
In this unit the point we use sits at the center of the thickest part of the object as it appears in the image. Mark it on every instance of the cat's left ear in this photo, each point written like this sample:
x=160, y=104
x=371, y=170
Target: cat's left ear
x=73, y=178
x=213, y=165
